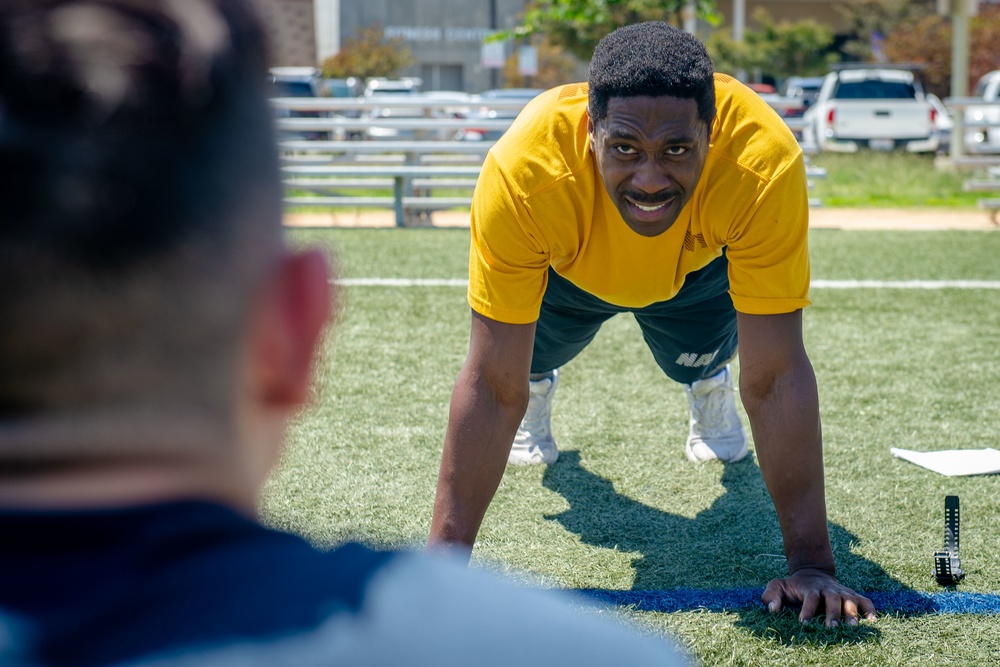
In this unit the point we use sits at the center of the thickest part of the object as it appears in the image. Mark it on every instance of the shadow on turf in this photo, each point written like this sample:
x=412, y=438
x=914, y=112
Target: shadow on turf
x=728, y=548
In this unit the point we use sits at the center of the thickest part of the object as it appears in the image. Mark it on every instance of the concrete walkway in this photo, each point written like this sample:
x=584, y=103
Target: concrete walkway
x=827, y=218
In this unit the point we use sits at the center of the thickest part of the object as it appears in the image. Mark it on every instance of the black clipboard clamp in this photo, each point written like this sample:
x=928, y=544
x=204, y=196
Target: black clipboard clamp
x=947, y=565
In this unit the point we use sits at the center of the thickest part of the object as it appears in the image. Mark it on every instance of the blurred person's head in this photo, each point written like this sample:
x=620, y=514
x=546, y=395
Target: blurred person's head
x=151, y=315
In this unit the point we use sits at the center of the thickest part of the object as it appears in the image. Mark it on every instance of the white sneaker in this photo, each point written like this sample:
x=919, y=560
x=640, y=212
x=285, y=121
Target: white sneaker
x=716, y=429
x=533, y=443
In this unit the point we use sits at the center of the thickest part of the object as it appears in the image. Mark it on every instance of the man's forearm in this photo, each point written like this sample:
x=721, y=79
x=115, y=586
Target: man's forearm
x=784, y=417
x=480, y=432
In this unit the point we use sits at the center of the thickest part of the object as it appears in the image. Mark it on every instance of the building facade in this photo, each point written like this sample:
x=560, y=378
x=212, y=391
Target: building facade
x=291, y=26
x=445, y=37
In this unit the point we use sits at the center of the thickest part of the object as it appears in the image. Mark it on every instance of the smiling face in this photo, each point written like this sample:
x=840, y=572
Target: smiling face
x=650, y=152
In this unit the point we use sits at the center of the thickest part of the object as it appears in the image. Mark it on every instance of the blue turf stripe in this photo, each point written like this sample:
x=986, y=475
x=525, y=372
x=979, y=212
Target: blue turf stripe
x=690, y=599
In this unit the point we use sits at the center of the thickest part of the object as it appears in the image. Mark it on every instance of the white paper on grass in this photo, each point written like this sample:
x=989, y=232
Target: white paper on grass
x=954, y=462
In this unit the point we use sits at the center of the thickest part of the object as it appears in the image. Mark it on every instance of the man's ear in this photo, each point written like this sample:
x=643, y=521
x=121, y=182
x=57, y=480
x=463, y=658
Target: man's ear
x=292, y=313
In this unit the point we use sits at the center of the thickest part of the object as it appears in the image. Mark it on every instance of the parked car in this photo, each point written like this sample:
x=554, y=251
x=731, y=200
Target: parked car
x=349, y=87
x=942, y=123
x=880, y=108
x=489, y=110
x=432, y=104
x=454, y=103
x=984, y=139
x=379, y=86
x=294, y=81
x=297, y=82
x=766, y=92
x=803, y=91
x=763, y=88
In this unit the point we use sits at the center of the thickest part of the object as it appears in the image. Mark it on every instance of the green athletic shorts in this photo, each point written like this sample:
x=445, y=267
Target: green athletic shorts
x=690, y=336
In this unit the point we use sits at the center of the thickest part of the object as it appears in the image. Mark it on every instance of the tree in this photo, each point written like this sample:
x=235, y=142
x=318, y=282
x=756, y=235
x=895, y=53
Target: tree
x=730, y=56
x=555, y=67
x=367, y=54
x=578, y=25
x=777, y=50
x=927, y=40
x=984, y=47
x=870, y=20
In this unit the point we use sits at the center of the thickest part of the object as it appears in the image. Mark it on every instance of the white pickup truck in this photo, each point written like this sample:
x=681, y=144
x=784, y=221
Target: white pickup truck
x=983, y=121
x=876, y=108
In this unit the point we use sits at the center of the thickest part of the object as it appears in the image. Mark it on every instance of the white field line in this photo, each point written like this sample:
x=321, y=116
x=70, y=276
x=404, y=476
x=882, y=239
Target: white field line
x=818, y=284
x=906, y=284
x=402, y=282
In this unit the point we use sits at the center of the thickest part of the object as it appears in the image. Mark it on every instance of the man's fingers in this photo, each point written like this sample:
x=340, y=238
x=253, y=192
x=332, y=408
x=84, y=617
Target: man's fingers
x=850, y=612
x=772, y=596
x=840, y=604
x=867, y=608
x=832, y=602
x=809, y=606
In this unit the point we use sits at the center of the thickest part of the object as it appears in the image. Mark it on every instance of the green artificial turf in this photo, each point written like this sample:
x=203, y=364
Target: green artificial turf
x=623, y=508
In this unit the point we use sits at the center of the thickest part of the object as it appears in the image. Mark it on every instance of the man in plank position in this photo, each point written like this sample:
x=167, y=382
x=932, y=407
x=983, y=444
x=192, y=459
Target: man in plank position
x=675, y=194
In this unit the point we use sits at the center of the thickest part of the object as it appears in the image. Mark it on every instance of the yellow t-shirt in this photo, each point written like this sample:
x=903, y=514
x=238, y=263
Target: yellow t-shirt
x=540, y=202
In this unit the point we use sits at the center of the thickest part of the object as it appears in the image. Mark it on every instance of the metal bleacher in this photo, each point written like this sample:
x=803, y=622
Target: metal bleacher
x=329, y=162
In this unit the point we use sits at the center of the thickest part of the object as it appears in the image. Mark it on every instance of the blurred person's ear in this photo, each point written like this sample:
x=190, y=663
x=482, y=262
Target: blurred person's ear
x=293, y=312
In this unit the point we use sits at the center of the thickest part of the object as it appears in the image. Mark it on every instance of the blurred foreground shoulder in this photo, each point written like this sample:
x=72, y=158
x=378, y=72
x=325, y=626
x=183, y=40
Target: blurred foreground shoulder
x=501, y=623
x=422, y=609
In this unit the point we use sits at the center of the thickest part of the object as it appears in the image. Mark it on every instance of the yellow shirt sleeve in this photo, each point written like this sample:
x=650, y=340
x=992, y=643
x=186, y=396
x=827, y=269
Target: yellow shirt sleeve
x=509, y=256
x=768, y=250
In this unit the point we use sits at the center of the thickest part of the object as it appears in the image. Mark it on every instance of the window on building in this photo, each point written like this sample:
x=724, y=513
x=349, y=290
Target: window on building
x=442, y=77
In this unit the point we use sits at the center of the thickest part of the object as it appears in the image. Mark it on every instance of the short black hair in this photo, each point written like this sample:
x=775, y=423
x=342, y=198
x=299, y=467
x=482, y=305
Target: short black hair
x=140, y=199
x=655, y=59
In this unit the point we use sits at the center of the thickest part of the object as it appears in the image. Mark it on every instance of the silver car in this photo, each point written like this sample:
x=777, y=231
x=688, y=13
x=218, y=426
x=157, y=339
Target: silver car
x=982, y=131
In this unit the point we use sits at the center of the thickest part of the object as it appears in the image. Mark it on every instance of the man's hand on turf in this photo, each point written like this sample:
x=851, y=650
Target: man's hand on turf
x=818, y=591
